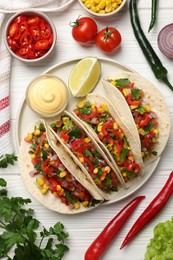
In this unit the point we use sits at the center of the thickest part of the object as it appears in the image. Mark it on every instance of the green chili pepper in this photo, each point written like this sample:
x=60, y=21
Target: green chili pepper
x=153, y=14
x=158, y=69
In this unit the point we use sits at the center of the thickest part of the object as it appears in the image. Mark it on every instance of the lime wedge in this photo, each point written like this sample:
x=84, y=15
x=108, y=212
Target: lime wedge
x=84, y=76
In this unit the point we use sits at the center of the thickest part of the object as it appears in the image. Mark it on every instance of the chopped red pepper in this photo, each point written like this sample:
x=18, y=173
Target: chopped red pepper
x=134, y=167
x=90, y=164
x=65, y=136
x=152, y=210
x=145, y=120
x=100, y=244
x=106, y=125
x=132, y=102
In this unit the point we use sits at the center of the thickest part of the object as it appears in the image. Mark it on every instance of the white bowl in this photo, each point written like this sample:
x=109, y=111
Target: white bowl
x=47, y=95
x=99, y=14
x=29, y=12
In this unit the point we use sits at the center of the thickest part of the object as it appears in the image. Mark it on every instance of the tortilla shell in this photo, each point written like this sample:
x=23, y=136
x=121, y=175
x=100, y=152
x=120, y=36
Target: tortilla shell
x=105, y=195
x=49, y=200
x=152, y=96
x=97, y=99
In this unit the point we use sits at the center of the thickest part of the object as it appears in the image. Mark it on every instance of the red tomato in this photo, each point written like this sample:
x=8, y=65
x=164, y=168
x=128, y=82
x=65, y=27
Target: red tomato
x=108, y=39
x=84, y=30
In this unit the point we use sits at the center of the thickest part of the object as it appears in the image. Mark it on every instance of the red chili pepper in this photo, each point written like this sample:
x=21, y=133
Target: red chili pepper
x=152, y=210
x=100, y=244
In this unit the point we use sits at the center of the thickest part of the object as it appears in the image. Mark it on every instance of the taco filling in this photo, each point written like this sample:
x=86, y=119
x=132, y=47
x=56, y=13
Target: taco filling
x=53, y=176
x=111, y=135
x=145, y=119
x=83, y=148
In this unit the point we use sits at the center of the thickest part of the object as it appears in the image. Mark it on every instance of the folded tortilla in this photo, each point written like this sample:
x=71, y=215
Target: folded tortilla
x=49, y=200
x=152, y=96
x=111, y=172
x=131, y=148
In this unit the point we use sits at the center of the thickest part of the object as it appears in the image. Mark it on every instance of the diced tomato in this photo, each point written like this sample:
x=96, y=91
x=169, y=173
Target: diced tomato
x=79, y=146
x=36, y=160
x=134, y=167
x=146, y=119
x=64, y=135
x=46, y=167
x=131, y=101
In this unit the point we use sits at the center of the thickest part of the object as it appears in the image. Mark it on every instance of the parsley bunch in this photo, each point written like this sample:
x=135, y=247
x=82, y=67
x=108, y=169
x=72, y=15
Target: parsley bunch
x=7, y=159
x=21, y=232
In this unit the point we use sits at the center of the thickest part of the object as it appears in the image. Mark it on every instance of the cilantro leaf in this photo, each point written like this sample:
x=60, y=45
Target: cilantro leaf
x=141, y=109
x=122, y=82
x=67, y=124
x=75, y=133
x=123, y=154
x=136, y=93
x=7, y=159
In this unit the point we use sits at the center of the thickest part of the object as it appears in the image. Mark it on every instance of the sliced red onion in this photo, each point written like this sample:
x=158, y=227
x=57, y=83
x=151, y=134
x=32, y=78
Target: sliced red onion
x=165, y=40
x=33, y=173
x=54, y=157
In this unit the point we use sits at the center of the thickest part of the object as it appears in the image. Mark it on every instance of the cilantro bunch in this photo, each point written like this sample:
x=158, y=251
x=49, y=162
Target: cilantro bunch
x=21, y=232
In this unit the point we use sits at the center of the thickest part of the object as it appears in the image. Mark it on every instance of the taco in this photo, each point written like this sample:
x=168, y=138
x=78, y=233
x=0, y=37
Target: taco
x=51, y=177
x=142, y=108
x=86, y=153
x=105, y=125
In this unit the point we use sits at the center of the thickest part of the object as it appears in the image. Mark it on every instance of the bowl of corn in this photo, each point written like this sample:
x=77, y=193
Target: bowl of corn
x=102, y=8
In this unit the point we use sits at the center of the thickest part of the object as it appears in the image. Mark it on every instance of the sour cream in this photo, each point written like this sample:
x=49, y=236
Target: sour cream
x=47, y=95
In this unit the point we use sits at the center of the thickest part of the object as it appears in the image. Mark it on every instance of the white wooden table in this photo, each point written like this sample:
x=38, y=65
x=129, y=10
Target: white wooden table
x=83, y=228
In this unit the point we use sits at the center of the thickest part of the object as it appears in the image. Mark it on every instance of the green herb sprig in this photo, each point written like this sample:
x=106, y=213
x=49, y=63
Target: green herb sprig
x=21, y=231
x=7, y=159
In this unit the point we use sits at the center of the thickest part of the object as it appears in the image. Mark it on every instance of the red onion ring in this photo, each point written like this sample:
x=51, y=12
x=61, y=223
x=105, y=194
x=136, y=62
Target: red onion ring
x=165, y=40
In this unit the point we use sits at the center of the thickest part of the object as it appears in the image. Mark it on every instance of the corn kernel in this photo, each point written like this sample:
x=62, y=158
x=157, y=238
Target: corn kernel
x=37, y=132
x=81, y=159
x=141, y=131
x=85, y=203
x=46, y=146
x=62, y=174
x=154, y=140
x=33, y=156
x=105, y=107
x=76, y=205
x=108, y=169
x=156, y=131
x=121, y=135
x=133, y=106
x=148, y=108
x=113, y=82
x=115, y=126
x=58, y=124
x=64, y=119
x=87, y=140
x=58, y=187
x=142, y=154
x=124, y=174
x=44, y=190
x=108, y=9
x=115, y=5
x=97, y=1
x=81, y=104
x=102, y=4
x=99, y=128
x=95, y=171
x=30, y=136
x=93, y=106
x=126, y=92
x=40, y=181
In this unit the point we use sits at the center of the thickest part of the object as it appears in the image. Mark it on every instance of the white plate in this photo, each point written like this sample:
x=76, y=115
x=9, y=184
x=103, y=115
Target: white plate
x=25, y=116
